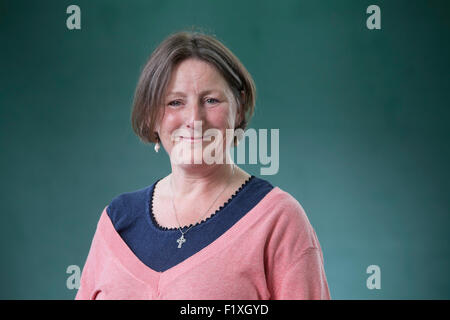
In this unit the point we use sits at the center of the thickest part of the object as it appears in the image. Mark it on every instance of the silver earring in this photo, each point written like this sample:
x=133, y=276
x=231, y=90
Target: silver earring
x=157, y=146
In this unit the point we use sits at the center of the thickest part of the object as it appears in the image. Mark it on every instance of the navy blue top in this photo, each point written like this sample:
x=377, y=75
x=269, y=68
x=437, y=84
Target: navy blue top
x=156, y=246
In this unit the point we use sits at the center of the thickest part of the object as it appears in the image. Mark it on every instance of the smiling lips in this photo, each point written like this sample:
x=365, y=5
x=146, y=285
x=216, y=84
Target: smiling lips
x=192, y=139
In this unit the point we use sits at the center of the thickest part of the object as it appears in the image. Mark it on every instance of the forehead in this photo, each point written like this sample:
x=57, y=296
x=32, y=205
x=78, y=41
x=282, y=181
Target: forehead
x=196, y=75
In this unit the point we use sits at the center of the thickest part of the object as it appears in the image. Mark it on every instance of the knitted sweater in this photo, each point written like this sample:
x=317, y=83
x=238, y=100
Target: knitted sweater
x=270, y=251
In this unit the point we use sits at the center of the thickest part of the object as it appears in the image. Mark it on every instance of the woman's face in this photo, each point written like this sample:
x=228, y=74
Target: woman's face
x=198, y=108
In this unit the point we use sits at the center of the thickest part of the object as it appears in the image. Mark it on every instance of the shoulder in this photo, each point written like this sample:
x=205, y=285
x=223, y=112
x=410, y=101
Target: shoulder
x=288, y=219
x=287, y=207
x=125, y=207
x=280, y=201
x=280, y=204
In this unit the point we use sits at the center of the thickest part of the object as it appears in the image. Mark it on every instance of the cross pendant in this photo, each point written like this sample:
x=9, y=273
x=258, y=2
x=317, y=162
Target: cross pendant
x=181, y=240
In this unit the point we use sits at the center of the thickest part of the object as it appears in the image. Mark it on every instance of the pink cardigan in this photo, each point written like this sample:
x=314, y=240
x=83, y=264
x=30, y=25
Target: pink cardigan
x=272, y=252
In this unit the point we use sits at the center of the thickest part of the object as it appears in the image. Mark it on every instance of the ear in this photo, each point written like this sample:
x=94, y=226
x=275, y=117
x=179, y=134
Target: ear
x=242, y=95
x=156, y=129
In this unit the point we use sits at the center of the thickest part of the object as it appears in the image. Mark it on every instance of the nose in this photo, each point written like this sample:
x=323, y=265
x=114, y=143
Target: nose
x=194, y=112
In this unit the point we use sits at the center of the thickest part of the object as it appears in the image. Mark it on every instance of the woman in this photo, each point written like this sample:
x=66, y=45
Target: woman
x=208, y=230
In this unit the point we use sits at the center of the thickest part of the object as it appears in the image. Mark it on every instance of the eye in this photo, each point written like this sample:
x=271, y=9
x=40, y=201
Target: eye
x=174, y=103
x=212, y=99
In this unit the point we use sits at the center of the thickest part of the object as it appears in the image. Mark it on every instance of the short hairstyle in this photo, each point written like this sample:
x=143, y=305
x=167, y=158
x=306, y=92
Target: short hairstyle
x=155, y=77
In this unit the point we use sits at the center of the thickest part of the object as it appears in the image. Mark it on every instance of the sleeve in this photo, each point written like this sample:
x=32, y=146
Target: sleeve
x=295, y=265
x=88, y=289
x=305, y=279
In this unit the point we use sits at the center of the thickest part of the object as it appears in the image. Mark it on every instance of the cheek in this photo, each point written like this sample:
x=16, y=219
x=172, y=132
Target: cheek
x=166, y=126
x=169, y=123
x=221, y=122
x=223, y=119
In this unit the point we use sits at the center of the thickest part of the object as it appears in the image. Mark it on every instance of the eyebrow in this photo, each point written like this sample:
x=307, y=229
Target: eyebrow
x=179, y=93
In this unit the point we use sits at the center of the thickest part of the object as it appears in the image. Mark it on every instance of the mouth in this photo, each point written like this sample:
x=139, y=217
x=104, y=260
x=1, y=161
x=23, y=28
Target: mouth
x=193, y=139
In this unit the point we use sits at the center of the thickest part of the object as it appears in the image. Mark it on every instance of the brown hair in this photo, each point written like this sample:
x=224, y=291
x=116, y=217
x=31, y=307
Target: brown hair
x=155, y=77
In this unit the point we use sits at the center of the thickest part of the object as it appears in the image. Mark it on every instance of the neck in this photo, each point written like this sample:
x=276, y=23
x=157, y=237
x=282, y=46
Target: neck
x=199, y=179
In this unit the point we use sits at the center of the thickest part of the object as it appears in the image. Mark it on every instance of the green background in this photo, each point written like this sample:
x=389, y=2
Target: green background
x=363, y=118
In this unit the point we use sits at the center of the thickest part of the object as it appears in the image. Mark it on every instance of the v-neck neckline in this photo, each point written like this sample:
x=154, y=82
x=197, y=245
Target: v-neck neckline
x=144, y=273
x=151, y=219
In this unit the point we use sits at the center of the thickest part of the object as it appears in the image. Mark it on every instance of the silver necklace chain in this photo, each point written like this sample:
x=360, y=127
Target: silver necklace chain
x=182, y=239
